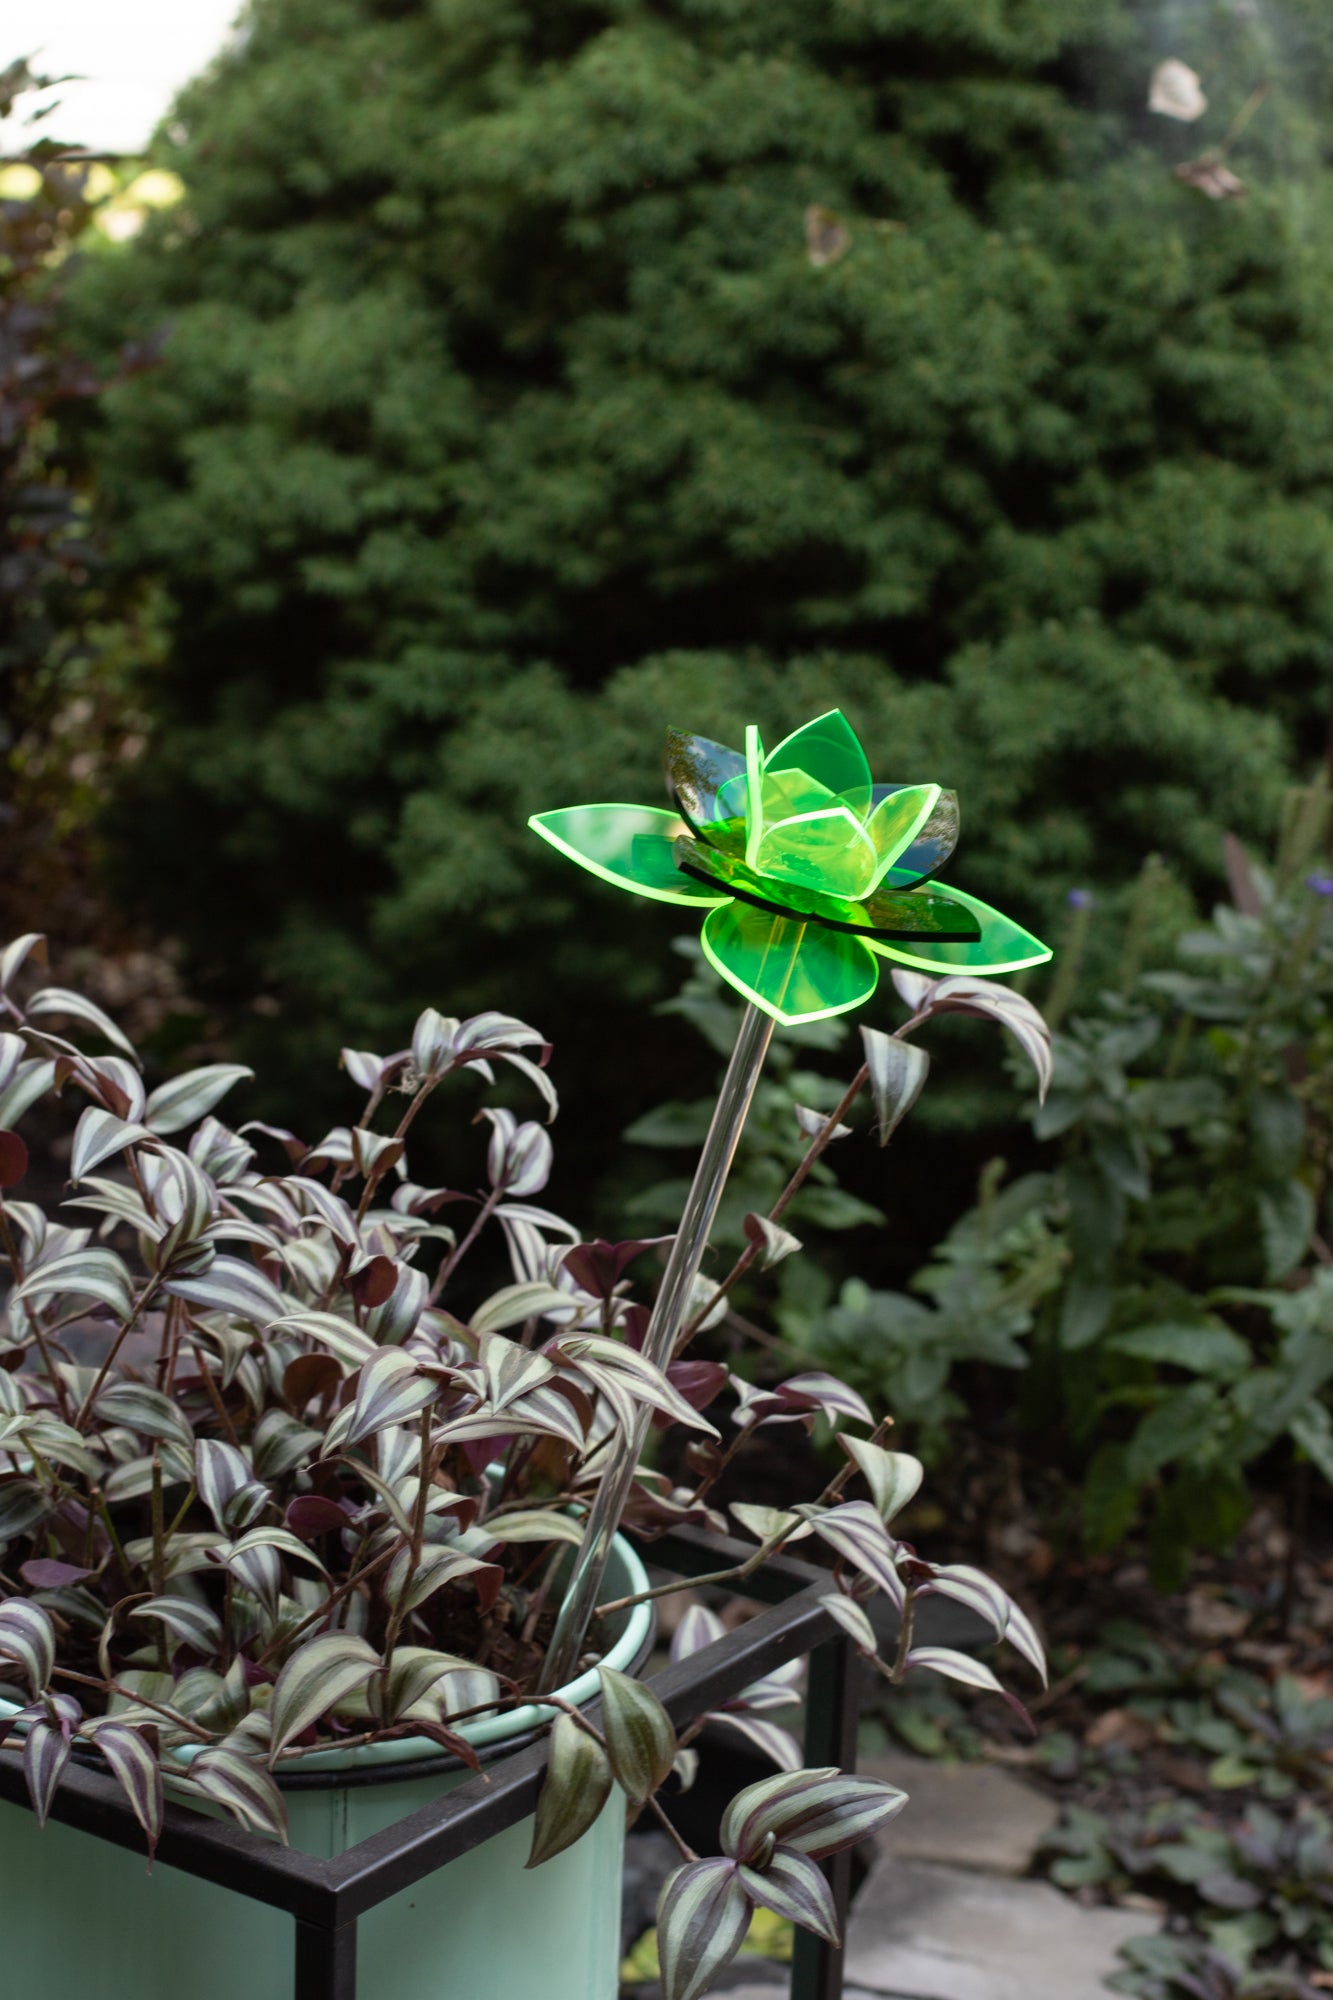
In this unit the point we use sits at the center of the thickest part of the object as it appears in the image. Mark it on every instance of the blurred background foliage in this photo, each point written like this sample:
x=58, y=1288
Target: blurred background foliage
x=528, y=376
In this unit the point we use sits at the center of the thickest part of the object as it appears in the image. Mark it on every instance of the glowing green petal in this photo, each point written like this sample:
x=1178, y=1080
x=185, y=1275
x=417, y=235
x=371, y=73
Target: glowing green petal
x=829, y=852
x=895, y=823
x=932, y=846
x=828, y=751
x=632, y=847
x=793, y=971
x=1003, y=946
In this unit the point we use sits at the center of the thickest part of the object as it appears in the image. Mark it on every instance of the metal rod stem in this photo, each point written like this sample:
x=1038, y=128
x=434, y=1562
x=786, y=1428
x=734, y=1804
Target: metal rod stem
x=669, y=1311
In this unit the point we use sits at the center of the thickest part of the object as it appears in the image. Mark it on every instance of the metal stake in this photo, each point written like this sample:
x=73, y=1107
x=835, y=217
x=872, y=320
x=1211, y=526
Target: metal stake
x=669, y=1312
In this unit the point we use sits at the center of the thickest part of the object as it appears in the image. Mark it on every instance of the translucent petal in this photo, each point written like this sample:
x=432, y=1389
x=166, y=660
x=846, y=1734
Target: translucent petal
x=706, y=780
x=828, y=851
x=895, y=823
x=888, y=914
x=932, y=846
x=630, y=846
x=1003, y=946
x=793, y=971
x=828, y=751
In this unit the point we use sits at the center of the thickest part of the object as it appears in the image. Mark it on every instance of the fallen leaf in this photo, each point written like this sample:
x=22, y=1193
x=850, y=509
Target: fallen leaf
x=1122, y=1726
x=1211, y=177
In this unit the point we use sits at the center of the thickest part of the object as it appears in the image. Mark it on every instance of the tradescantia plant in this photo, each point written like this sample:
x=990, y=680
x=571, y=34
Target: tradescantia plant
x=269, y=1487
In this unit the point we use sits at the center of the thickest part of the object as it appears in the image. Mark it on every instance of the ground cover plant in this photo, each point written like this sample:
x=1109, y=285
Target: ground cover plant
x=275, y=1480
x=1148, y=1310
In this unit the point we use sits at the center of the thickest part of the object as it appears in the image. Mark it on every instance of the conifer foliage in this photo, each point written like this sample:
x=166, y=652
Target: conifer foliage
x=544, y=371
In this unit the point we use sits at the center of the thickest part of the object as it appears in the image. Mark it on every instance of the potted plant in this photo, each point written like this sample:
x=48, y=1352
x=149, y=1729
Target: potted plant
x=294, y=1529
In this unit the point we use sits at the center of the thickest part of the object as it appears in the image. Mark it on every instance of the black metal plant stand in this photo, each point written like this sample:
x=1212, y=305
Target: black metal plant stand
x=326, y=1897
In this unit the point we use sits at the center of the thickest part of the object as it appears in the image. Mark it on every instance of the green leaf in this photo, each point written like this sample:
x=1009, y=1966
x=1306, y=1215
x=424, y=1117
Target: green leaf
x=577, y=1784
x=703, y=1914
x=640, y=1740
x=1205, y=1350
x=314, y=1680
x=898, y=1072
x=1286, y=1223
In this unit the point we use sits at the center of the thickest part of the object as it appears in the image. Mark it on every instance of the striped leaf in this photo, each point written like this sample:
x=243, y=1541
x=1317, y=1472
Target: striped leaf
x=244, y=1789
x=981, y=1594
x=391, y=1389
x=177, y=1103
x=640, y=1740
x=58, y=1000
x=28, y=1640
x=577, y=1784
x=703, y=1914
x=853, y=1620
x=898, y=1072
x=512, y=1304
x=229, y=1285
x=954, y=1666
x=858, y=1535
x=146, y=1411
x=189, y=1622
x=815, y=1812
x=83, y=1274
x=28, y=1082
x=347, y=1343
x=794, y=1886
x=132, y=1755
x=769, y=1738
x=46, y=1750
x=534, y=1524
x=416, y=1672
x=315, y=1679
x=97, y=1136
x=627, y=1379
x=438, y=1566
x=220, y=1471
x=892, y=1476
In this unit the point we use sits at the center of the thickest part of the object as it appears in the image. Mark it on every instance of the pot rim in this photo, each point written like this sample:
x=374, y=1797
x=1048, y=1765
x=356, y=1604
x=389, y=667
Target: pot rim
x=492, y=1735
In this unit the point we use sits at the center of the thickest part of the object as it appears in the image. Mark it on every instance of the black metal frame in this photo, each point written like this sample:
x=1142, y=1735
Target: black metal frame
x=326, y=1897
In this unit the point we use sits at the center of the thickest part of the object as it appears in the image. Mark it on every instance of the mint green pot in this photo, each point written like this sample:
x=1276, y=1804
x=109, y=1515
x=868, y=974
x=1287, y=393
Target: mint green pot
x=81, y=1919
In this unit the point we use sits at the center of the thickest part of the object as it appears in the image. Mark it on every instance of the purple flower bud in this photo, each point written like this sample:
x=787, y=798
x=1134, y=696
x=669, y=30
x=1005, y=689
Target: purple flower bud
x=1321, y=884
x=1079, y=899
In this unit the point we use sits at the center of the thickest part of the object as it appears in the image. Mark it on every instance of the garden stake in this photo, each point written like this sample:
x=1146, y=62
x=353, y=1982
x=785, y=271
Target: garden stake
x=809, y=874
x=669, y=1314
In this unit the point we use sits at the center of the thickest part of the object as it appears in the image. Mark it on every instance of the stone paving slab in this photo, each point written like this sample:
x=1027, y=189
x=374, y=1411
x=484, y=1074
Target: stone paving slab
x=919, y=1931
x=963, y=1815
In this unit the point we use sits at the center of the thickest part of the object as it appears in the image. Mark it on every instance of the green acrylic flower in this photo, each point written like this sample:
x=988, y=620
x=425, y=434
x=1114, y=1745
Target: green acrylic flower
x=810, y=872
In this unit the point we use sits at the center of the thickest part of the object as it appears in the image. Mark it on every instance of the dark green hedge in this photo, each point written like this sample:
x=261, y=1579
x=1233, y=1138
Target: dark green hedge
x=506, y=417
